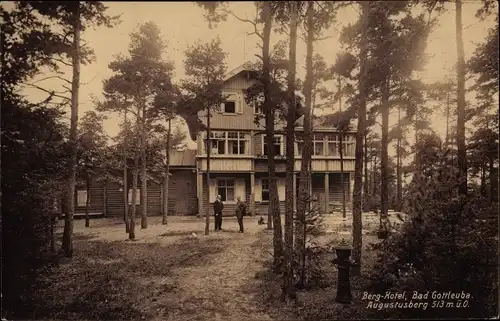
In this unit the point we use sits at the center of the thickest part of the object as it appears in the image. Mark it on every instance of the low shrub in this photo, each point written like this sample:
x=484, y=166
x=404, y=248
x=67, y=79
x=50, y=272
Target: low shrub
x=448, y=246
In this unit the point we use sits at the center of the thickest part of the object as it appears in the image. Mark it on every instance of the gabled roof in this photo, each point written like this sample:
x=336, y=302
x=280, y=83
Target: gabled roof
x=247, y=66
x=185, y=158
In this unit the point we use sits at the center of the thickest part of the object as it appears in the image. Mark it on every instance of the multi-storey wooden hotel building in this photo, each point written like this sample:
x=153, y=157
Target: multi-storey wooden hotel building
x=238, y=157
x=238, y=166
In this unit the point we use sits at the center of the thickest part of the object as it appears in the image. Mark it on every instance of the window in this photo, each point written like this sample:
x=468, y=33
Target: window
x=232, y=143
x=237, y=143
x=299, y=143
x=333, y=145
x=265, y=190
x=260, y=110
x=349, y=145
x=233, y=103
x=81, y=198
x=218, y=141
x=258, y=104
x=318, y=145
x=229, y=107
x=277, y=145
x=225, y=188
x=137, y=197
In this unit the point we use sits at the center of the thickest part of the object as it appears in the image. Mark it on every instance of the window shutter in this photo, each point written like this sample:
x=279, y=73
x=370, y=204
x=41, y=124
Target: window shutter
x=258, y=190
x=281, y=188
x=240, y=189
x=212, y=190
x=239, y=104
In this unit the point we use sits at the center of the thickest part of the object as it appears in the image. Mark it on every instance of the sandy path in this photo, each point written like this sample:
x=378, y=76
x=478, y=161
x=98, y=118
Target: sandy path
x=224, y=289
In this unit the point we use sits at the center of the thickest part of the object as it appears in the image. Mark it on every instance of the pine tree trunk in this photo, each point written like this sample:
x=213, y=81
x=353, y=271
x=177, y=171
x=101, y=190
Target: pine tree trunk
x=305, y=174
x=144, y=175
x=164, y=195
x=288, y=286
x=67, y=241
x=366, y=183
x=341, y=154
x=372, y=166
x=384, y=162
x=125, y=174
x=274, y=219
x=399, y=186
x=492, y=179
x=167, y=175
x=209, y=149
x=304, y=198
x=135, y=177
x=105, y=198
x=462, y=153
x=483, y=181
x=267, y=92
x=52, y=234
x=358, y=164
x=447, y=136
x=342, y=187
x=87, y=201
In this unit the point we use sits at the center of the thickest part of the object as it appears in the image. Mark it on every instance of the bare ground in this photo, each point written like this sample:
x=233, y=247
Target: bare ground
x=171, y=272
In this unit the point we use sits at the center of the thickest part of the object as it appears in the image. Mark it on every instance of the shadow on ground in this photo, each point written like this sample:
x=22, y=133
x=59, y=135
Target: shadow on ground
x=83, y=237
x=182, y=233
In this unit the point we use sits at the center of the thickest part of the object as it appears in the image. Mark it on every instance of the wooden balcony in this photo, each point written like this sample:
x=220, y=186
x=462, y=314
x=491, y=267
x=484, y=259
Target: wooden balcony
x=323, y=164
x=226, y=163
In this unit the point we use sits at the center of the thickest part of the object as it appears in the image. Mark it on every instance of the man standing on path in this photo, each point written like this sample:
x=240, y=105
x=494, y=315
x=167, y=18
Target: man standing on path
x=241, y=210
x=218, y=207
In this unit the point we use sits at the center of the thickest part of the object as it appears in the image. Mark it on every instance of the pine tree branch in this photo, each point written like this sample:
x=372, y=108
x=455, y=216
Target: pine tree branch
x=52, y=77
x=91, y=80
x=253, y=23
x=50, y=92
x=59, y=60
x=322, y=38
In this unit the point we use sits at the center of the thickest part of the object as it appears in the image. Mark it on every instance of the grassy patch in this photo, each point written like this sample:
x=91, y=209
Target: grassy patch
x=114, y=280
x=316, y=303
x=319, y=304
x=267, y=289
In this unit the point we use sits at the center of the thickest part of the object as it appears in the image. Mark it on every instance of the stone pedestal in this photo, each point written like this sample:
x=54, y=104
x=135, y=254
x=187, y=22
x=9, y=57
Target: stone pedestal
x=343, y=262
